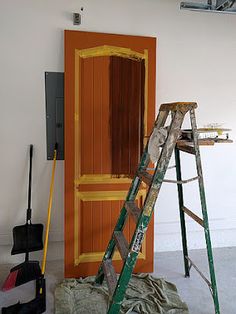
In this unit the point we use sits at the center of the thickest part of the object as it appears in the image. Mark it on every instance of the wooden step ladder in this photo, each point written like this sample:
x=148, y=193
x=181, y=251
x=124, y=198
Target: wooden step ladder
x=142, y=216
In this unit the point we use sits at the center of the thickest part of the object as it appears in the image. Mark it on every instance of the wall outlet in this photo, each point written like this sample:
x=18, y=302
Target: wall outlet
x=76, y=18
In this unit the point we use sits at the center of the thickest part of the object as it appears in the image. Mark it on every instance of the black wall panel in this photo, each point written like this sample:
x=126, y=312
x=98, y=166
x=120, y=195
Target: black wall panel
x=54, y=91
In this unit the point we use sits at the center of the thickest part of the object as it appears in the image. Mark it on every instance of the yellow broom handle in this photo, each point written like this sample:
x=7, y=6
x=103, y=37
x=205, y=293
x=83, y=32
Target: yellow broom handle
x=49, y=213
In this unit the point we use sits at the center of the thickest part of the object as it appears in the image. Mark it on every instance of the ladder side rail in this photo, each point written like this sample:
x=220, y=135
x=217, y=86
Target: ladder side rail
x=146, y=214
x=121, y=220
x=204, y=212
x=134, y=187
x=181, y=212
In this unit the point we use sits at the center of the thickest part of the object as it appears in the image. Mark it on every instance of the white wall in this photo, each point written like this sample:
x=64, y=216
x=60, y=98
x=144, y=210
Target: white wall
x=195, y=62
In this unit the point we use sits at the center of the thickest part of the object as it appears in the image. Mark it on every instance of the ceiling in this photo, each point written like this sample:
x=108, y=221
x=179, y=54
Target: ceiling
x=214, y=6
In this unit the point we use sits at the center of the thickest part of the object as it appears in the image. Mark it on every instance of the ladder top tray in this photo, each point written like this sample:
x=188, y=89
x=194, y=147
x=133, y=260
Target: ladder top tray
x=179, y=106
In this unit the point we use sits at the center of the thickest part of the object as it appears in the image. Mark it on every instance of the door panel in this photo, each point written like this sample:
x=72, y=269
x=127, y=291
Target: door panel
x=127, y=113
x=95, y=142
x=93, y=196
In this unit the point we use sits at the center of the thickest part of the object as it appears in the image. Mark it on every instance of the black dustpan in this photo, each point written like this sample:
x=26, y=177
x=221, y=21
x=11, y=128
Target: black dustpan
x=28, y=237
x=35, y=306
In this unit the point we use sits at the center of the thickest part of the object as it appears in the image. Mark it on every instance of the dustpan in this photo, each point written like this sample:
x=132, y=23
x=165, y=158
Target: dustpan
x=27, y=238
x=35, y=306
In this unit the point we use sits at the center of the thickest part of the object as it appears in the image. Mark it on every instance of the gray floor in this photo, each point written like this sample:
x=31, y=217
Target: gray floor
x=193, y=291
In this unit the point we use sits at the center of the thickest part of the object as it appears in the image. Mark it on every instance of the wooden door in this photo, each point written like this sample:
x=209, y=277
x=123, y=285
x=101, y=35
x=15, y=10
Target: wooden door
x=93, y=196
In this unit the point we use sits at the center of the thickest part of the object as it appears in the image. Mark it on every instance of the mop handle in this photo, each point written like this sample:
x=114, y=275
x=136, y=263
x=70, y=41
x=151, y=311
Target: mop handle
x=28, y=216
x=49, y=211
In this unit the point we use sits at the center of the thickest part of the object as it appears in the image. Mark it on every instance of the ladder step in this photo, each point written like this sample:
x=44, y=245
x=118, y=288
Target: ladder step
x=133, y=210
x=110, y=275
x=145, y=177
x=193, y=216
x=121, y=244
x=180, y=106
x=181, y=181
x=186, y=148
x=200, y=273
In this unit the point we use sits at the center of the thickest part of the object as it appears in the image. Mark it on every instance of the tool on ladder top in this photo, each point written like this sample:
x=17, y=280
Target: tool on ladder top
x=142, y=216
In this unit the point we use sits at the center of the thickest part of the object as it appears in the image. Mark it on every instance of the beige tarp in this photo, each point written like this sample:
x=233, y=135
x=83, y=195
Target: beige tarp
x=145, y=294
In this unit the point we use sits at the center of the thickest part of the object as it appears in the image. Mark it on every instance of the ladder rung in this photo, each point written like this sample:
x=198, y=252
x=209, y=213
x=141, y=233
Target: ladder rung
x=193, y=216
x=145, y=177
x=121, y=244
x=133, y=210
x=181, y=181
x=186, y=148
x=200, y=273
x=153, y=169
x=110, y=275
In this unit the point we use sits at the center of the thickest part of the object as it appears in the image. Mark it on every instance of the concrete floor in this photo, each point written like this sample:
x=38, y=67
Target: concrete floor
x=168, y=265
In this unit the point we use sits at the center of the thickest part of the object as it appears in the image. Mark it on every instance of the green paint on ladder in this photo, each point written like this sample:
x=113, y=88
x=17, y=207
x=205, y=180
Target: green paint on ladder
x=178, y=111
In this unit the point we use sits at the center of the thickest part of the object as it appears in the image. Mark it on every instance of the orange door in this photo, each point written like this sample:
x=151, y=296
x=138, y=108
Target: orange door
x=93, y=196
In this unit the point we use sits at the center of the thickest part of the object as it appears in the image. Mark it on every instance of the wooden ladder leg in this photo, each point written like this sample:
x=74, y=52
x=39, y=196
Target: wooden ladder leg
x=204, y=213
x=181, y=212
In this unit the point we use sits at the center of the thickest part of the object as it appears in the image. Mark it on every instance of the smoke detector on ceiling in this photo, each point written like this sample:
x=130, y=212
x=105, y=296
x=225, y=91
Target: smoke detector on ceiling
x=219, y=6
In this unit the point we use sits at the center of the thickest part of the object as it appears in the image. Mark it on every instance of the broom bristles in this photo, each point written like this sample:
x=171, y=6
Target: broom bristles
x=10, y=282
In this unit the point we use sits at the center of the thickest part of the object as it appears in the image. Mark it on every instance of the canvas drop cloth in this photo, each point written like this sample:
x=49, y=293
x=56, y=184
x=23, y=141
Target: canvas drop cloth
x=157, y=138
x=145, y=294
